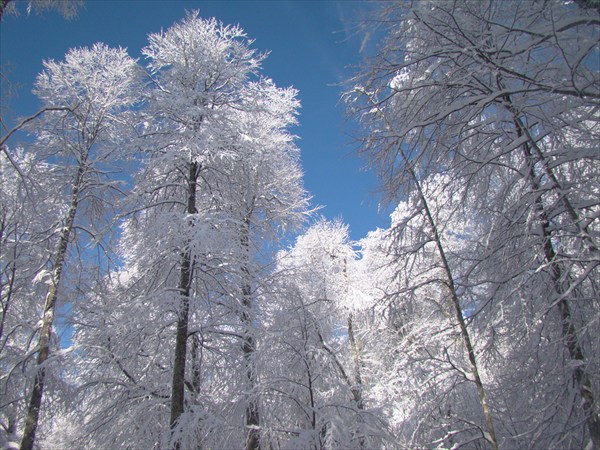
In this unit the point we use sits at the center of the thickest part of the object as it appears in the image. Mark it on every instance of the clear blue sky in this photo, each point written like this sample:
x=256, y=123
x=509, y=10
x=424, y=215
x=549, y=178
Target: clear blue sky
x=312, y=48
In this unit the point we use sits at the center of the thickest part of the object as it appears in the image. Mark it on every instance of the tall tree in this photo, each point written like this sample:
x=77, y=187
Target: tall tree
x=489, y=93
x=317, y=397
x=201, y=68
x=203, y=65
x=29, y=199
x=425, y=309
x=265, y=198
x=95, y=86
x=220, y=177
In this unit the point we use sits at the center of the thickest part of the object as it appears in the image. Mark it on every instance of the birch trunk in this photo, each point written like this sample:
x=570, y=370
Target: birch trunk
x=35, y=401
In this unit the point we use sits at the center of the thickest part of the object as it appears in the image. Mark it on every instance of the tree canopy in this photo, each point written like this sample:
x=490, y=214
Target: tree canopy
x=155, y=209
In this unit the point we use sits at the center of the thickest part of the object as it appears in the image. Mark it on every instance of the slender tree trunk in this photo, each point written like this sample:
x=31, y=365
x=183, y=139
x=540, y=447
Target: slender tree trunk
x=248, y=343
x=354, y=348
x=458, y=313
x=487, y=413
x=358, y=384
x=10, y=287
x=196, y=364
x=311, y=390
x=357, y=389
x=531, y=147
x=185, y=278
x=252, y=414
x=35, y=401
x=569, y=331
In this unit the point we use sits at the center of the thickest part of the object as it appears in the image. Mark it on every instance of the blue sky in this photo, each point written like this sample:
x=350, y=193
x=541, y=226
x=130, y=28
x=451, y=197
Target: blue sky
x=312, y=47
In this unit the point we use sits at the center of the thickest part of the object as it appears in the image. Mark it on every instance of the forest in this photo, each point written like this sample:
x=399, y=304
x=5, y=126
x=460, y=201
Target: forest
x=156, y=209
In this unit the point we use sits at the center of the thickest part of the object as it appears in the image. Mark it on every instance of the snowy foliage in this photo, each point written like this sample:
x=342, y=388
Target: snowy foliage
x=150, y=206
x=499, y=99
x=220, y=176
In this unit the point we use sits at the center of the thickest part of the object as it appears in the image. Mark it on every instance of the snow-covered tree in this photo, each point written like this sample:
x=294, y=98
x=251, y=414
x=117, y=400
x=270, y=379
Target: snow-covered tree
x=67, y=8
x=89, y=93
x=25, y=209
x=220, y=177
x=313, y=382
x=421, y=349
x=503, y=97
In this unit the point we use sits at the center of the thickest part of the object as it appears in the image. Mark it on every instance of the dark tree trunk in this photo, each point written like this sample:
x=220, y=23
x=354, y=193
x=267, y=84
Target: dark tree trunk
x=248, y=343
x=569, y=331
x=185, y=278
x=357, y=389
x=196, y=364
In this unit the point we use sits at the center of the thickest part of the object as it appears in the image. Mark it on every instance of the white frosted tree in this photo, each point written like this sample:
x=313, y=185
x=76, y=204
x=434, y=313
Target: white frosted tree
x=201, y=68
x=503, y=97
x=83, y=136
x=420, y=342
x=264, y=198
x=314, y=387
x=219, y=178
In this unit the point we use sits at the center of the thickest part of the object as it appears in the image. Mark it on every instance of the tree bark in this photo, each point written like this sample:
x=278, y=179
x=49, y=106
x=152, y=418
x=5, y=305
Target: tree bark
x=569, y=331
x=11, y=281
x=185, y=278
x=458, y=313
x=248, y=343
x=196, y=364
x=354, y=348
x=357, y=389
x=35, y=401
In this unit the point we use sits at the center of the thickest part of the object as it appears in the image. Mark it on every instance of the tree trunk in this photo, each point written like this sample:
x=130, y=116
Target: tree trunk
x=354, y=348
x=185, y=278
x=569, y=331
x=357, y=389
x=248, y=343
x=196, y=364
x=11, y=275
x=252, y=414
x=458, y=313
x=570, y=336
x=35, y=401
x=491, y=432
